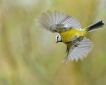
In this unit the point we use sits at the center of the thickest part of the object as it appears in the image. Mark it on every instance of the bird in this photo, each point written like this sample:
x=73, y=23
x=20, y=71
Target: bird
x=69, y=32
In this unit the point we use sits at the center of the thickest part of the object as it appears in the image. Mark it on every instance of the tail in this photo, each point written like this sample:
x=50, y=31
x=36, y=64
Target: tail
x=95, y=26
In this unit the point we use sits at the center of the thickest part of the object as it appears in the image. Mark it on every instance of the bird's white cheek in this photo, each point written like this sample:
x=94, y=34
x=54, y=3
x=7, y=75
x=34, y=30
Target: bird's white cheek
x=58, y=38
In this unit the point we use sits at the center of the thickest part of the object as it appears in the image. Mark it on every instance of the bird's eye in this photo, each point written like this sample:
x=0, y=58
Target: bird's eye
x=57, y=36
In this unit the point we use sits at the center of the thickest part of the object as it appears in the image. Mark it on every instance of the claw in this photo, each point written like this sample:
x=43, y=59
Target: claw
x=65, y=61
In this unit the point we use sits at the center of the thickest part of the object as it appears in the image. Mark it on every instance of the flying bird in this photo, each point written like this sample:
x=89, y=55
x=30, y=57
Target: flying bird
x=69, y=32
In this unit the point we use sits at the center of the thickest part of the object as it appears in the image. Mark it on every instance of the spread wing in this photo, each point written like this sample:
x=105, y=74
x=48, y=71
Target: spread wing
x=54, y=21
x=80, y=51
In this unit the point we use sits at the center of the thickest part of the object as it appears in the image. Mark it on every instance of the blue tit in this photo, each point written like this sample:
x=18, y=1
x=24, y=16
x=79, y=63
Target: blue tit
x=69, y=32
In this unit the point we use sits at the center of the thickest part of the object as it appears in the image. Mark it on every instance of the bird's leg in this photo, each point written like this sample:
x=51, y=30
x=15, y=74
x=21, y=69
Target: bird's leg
x=65, y=59
x=67, y=50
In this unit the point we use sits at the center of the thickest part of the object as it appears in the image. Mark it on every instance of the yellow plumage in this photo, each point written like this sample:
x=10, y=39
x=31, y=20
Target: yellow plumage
x=69, y=35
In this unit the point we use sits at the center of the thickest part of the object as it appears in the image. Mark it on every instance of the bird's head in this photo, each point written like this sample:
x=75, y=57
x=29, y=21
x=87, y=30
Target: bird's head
x=58, y=38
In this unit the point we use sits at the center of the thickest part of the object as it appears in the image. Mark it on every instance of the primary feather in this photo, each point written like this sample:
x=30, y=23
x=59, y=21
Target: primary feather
x=80, y=51
x=57, y=20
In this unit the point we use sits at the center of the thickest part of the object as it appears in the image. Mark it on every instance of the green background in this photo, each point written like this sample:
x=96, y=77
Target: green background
x=29, y=54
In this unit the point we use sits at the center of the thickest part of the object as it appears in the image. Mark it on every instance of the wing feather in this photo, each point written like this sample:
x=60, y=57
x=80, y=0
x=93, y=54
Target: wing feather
x=81, y=51
x=53, y=19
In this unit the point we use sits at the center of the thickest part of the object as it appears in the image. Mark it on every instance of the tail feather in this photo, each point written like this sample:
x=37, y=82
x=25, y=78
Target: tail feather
x=94, y=26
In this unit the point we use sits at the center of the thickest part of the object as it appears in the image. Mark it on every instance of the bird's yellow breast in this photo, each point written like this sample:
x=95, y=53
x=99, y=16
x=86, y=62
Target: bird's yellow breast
x=69, y=35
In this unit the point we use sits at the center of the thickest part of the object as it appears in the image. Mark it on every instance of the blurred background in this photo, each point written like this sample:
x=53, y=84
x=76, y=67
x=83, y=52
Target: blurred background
x=29, y=54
